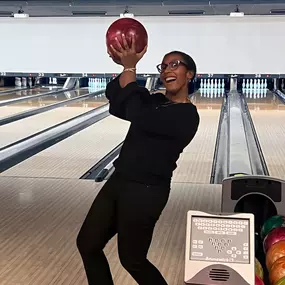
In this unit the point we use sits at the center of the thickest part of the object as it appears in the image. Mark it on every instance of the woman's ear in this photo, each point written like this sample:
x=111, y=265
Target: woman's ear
x=190, y=75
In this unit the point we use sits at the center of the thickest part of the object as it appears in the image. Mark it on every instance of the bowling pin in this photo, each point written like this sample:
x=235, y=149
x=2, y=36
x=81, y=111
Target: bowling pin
x=251, y=84
x=202, y=84
x=258, y=84
x=254, y=84
x=223, y=83
x=18, y=82
x=216, y=84
x=219, y=84
x=30, y=82
x=250, y=93
x=208, y=92
x=24, y=81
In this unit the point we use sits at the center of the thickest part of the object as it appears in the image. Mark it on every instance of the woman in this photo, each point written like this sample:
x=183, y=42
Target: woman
x=132, y=200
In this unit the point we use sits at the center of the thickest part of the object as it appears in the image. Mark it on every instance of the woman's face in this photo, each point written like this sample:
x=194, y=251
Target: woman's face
x=174, y=74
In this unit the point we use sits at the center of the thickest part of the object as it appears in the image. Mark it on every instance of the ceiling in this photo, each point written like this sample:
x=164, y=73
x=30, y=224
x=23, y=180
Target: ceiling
x=51, y=8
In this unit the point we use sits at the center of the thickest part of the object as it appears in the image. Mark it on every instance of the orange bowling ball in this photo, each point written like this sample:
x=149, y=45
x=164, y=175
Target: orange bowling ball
x=275, y=252
x=277, y=270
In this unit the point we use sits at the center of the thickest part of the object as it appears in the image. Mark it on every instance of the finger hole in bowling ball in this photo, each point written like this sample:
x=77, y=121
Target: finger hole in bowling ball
x=259, y=205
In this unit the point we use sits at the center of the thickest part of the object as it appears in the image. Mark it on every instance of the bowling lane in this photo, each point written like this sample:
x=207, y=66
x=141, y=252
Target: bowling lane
x=27, y=92
x=15, y=131
x=2, y=89
x=92, y=102
x=268, y=114
x=72, y=157
x=195, y=163
x=40, y=102
x=264, y=100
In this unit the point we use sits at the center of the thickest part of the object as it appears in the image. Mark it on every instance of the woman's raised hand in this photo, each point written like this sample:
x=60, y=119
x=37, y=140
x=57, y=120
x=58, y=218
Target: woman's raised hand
x=127, y=55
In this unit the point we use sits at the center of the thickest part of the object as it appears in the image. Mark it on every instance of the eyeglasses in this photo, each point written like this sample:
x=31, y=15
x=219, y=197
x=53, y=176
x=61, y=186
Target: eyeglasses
x=173, y=65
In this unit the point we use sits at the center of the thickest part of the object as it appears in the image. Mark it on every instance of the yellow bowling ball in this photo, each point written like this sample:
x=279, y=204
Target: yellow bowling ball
x=258, y=269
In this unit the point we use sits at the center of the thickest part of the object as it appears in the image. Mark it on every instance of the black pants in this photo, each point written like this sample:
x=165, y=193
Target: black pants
x=131, y=210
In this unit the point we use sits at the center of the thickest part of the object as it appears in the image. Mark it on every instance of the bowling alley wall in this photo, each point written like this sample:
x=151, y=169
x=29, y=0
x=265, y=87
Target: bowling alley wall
x=222, y=44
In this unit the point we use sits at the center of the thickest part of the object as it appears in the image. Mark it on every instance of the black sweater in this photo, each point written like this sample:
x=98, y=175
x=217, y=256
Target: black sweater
x=159, y=131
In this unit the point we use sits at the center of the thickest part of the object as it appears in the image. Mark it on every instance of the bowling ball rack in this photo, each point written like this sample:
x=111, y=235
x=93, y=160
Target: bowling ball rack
x=262, y=196
x=261, y=255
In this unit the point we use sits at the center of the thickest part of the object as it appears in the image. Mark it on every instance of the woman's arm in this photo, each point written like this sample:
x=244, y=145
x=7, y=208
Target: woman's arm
x=128, y=59
x=125, y=84
x=119, y=96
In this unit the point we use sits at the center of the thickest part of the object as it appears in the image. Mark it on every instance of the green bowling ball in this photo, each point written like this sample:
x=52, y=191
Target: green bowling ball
x=272, y=223
x=281, y=281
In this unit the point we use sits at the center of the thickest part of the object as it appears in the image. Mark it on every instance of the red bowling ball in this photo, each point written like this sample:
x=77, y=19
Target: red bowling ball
x=273, y=237
x=258, y=281
x=129, y=27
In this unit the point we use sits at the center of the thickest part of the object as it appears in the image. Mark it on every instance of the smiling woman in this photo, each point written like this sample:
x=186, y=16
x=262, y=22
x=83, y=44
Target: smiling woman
x=131, y=201
x=177, y=81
